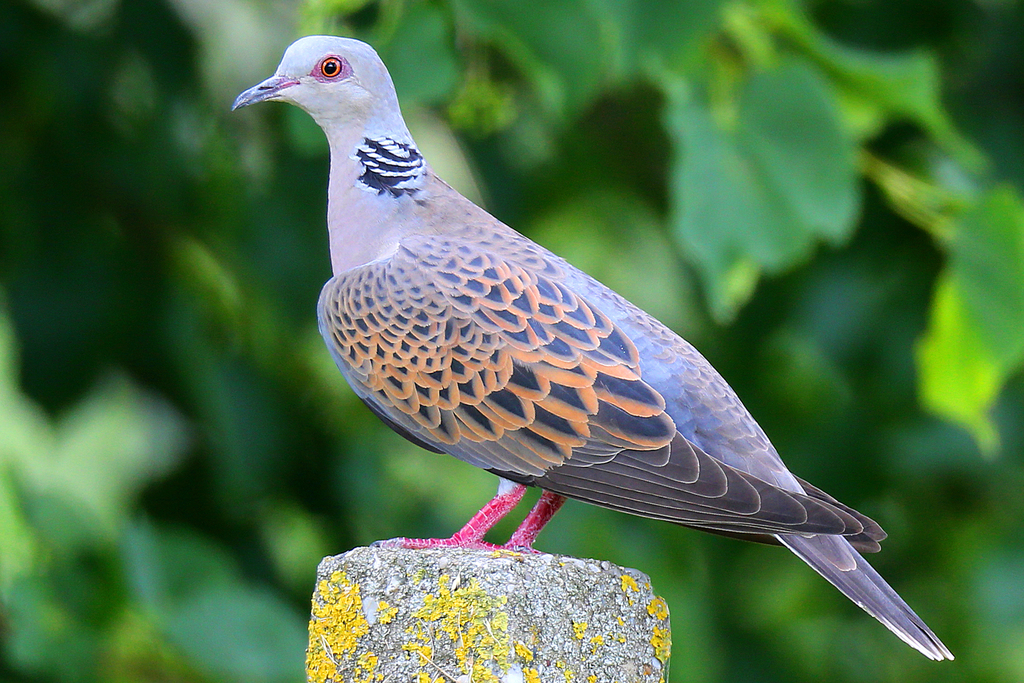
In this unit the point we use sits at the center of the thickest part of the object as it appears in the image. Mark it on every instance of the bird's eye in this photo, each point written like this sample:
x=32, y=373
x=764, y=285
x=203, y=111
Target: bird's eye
x=331, y=67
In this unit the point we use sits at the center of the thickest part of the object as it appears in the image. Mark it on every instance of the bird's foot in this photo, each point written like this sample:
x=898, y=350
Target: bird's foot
x=471, y=536
x=426, y=543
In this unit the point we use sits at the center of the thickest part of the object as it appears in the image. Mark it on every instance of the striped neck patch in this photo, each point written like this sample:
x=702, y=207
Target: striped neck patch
x=389, y=166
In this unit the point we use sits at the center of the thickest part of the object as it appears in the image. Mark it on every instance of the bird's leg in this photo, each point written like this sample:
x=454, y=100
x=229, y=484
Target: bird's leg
x=541, y=514
x=472, y=534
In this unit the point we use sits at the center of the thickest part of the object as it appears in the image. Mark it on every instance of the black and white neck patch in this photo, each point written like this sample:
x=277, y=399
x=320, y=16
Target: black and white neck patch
x=389, y=166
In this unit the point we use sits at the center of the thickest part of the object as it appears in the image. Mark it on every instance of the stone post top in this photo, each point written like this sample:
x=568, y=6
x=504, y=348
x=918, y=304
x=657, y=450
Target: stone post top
x=469, y=616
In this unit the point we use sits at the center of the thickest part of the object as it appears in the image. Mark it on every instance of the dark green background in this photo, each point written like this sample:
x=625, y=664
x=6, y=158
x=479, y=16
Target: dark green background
x=824, y=197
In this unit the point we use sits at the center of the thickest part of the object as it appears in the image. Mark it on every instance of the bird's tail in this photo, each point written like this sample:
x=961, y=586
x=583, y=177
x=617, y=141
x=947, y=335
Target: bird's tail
x=836, y=560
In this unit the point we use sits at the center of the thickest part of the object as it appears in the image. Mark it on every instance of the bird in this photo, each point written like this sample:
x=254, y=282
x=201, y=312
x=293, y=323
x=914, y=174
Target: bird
x=467, y=338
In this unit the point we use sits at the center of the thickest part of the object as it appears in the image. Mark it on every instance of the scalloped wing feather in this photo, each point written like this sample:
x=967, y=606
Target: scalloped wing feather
x=477, y=347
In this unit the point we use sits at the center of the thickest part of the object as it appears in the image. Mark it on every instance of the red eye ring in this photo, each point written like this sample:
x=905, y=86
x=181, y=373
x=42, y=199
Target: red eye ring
x=331, y=67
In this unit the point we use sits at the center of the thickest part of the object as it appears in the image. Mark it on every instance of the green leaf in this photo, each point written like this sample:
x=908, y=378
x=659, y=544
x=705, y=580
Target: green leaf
x=975, y=340
x=163, y=567
x=237, y=633
x=668, y=31
x=561, y=47
x=423, y=36
x=19, y=550
x=83, y=474
x=987, y=261
x=789, y=124
x=716, y=199
x=225, y=627
x=959, y=378
x=758, y=196
x=877, y=87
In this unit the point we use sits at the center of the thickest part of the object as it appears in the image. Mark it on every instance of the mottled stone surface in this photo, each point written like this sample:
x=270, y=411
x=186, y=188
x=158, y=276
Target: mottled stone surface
x=469, y=616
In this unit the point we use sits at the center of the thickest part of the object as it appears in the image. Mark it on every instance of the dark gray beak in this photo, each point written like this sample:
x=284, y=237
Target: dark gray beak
x=267, y=90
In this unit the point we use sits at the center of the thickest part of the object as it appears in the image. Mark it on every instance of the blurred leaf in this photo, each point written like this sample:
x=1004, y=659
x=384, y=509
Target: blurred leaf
x=561, y=47
x=917, y=200
x=320, y=17
x=136, y=652
x=790, y=128
x=18, y=547
x=482, y=106
x=82, y=472
x=38, y=623
x=237, y=633
x=422, y=37
x=975, y=340
x=163, y=566
x=24, y=428
x=760, y=195
x=897, y=86
x=1000, y=591
x=443, y=151
x=959, y=378
x=803, y=380
x=240, y=42
x=192, y=588
x=987, y=260
x=305, y=136
x=210, y=279
x=106, y=449
x=81, y=15
x=296, y=542
x=667, y=31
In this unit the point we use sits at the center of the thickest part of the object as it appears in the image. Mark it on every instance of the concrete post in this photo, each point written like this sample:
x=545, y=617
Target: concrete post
x=470, y=616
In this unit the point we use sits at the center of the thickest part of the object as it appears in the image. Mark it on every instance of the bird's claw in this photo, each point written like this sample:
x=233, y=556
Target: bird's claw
x=427, y=543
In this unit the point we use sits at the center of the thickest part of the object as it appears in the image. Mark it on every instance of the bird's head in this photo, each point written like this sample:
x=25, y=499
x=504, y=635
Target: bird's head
x=337, y=81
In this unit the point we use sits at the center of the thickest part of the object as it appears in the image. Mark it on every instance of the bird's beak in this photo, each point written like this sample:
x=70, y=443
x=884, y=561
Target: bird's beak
x=267, y=90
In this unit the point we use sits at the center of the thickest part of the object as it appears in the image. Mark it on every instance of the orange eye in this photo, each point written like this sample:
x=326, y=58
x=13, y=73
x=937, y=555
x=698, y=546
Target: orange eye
x=330, y=67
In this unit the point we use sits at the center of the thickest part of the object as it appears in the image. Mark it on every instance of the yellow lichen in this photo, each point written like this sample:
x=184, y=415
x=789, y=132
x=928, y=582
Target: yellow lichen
x=502, y=552
x=531, y=676
x=630, y=583
x=658, y=609
x=367, y=663
x=336, y=625
x=662, y=642
x=472, y=620
x=523, y=651
x=578, y=629
x=385, y=612
x=596, y=642
x=481, y=673
x=591, y=678
x=422, y=649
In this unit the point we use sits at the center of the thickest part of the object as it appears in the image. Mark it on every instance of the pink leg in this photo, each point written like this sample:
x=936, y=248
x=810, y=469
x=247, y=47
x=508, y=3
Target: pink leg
x=539, y=516
x=471, y=535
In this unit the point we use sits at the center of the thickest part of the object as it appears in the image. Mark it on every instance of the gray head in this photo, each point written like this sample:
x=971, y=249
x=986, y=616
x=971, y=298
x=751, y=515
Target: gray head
x=340, y=82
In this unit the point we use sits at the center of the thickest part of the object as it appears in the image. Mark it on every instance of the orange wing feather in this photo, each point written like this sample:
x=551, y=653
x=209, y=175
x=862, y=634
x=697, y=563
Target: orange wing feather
x=457, y=345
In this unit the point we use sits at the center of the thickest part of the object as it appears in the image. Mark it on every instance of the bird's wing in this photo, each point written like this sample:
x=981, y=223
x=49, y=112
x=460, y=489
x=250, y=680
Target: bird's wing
x=486, y=353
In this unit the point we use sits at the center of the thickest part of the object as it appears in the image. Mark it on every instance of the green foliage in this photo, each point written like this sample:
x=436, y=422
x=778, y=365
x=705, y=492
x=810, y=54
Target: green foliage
x=758, y=195
x=825, y=197
x=975, y=340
